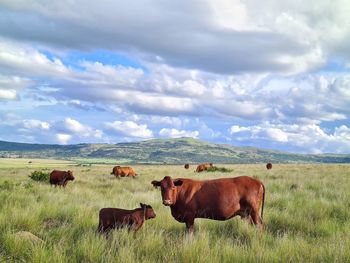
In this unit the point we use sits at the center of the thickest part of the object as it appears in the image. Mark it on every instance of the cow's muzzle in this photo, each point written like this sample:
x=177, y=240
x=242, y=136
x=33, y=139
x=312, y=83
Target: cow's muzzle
x=167, y=202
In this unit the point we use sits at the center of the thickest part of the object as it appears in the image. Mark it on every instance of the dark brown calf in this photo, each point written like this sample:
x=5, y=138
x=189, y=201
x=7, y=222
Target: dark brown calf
x=61, y=178
x=111, y=218
x=269, y=166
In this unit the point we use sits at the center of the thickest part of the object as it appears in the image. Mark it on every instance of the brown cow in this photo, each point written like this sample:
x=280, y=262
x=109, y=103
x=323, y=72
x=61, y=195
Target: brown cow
x=269, y=166
x=61, y=178
x=119, y=171
x=218, y=199
x=110, y=218
x=203, y=167
x=187, y=166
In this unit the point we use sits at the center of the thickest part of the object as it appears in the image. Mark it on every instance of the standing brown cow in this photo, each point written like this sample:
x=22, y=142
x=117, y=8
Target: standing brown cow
x=119, y=171
x=110, y=218
x=269, y=166
x=61, y=178
x=218, y=199
x=203, y=167
x=187, y=166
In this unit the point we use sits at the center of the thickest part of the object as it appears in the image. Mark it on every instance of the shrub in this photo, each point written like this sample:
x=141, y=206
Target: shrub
x=39, y=176
x=219, y=169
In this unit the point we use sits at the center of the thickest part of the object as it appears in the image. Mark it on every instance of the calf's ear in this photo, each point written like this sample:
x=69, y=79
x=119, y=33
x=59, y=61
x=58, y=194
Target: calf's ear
x=155, y=183
x=178, y=182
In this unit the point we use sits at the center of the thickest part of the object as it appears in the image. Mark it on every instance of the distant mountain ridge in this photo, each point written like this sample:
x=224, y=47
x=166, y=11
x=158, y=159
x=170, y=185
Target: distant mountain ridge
x=160, y=151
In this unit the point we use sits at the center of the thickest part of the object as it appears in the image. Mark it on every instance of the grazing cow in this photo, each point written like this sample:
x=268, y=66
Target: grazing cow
x=269, y=166
x=119, y=171
x=203, y=167
x=110, y=218
x=61, y=178
x=187, y=166
x=218, y=199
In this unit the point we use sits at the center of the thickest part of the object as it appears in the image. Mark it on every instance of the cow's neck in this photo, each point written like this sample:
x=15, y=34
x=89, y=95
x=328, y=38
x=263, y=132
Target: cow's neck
x=177, y=207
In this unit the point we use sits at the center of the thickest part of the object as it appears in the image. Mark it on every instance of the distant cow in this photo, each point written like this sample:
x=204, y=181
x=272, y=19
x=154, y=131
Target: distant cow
x=61, y=178
x=203, y=167
x=269, y=166
x=218, y=199
x=111, y=218
x=119, y=171
x=187, y=166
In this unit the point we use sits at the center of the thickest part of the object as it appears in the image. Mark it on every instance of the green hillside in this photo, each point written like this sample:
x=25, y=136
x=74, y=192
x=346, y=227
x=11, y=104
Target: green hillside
x=160, y=151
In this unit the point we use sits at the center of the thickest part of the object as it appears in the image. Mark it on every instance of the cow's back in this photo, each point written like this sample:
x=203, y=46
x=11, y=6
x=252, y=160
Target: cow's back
x=109, y=216
x=128, y=171
x=56, y=176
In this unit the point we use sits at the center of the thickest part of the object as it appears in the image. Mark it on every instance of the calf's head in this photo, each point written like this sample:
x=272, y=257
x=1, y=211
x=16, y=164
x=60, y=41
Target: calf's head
x=149, y=212
x=69, y=175
x=169, y=188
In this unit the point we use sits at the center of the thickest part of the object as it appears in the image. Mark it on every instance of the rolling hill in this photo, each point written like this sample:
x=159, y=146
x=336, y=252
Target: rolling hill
x=161, y=151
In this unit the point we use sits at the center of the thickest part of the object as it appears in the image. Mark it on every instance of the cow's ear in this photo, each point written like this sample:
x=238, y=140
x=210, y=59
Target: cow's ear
x=155, y=183
x=178, y=182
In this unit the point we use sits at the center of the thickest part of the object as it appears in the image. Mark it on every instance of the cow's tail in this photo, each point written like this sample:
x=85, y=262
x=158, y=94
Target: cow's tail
x=263, y=201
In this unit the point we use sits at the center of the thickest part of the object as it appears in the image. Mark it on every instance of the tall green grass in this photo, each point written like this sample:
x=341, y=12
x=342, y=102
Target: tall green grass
x=308, y=223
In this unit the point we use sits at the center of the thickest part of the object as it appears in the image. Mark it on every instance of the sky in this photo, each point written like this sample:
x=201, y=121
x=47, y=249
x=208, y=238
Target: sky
x=270, y=74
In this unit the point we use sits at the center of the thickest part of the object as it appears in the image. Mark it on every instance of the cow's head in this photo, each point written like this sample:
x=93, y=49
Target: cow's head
x=149, y=212
x=69, y=175
x=169, y=188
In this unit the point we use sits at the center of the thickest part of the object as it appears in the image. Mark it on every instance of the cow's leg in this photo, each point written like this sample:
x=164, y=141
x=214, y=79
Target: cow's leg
x=65, y=183
x=246, y=215
x=248, y=218
x=100, y=228
x=190, y=225
x=256, y=218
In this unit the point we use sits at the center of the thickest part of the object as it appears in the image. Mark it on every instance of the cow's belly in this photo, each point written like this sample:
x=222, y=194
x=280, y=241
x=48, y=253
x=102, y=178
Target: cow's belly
x=214, y=214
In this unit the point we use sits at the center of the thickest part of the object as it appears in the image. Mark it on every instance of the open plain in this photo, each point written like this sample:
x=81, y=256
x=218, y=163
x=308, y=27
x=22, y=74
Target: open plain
x=306, y=216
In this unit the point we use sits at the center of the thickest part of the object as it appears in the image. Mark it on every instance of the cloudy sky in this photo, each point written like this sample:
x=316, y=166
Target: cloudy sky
x=272, y=74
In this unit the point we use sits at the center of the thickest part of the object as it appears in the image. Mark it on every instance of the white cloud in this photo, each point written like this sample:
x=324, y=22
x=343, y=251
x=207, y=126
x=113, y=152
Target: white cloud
x=14, y=82
x=342, y=132
x=277, y=135
x=173, y=121
x=8, y=94
x=236, y=129
x=63, y=138
x=36, y=124
x=222, y=36
x=130, y=129
x=305, y=137
x=15, y=57
x=174, y=133
x=79, y=129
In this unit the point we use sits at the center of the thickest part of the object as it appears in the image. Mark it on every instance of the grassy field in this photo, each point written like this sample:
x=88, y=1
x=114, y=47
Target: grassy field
x=306, y=216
